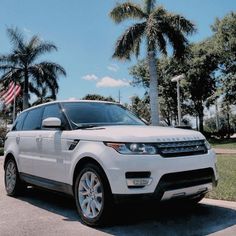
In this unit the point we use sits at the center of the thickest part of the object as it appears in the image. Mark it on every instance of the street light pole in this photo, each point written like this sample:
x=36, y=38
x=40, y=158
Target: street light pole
x=178, y=101
x=177, y=79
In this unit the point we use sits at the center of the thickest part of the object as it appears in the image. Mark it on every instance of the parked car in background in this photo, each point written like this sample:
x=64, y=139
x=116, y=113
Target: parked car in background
x=101, y=153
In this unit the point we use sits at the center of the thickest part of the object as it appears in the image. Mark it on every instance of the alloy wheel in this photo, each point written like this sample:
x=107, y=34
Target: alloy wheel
x=90, y=195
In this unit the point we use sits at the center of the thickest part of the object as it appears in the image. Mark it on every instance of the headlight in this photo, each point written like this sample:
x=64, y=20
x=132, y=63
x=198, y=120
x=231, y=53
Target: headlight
x=133, y=148
x=207, y=144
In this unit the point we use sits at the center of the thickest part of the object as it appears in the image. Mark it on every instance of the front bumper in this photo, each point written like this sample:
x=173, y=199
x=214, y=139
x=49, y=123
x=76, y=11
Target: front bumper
x=159, y=167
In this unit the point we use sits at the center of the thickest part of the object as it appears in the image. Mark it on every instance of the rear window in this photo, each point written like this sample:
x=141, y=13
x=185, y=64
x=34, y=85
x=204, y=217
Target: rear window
x=19, y=122
x=33, y=121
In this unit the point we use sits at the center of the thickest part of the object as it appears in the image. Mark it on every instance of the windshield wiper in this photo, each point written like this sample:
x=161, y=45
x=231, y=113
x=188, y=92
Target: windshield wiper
x=85, y=126
x=82, y=126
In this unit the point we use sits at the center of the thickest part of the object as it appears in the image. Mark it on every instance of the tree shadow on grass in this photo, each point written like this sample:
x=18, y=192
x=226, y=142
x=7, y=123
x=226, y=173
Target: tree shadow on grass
x=144, y=218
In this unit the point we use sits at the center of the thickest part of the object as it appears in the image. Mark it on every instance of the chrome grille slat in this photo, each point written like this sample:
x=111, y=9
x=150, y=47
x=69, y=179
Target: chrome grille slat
x=181, y=148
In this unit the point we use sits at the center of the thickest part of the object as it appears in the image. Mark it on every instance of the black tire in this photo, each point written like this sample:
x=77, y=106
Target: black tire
x=106, y=200
x=196, y=200
x=17, y=187
x=189, y=201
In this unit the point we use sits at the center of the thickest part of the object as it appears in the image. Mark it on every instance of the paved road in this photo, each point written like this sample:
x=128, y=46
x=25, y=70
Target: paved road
x=42, y=213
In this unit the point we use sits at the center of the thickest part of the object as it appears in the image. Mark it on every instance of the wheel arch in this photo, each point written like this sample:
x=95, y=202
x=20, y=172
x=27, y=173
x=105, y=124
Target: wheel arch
x=83, y=161
x=7, y=158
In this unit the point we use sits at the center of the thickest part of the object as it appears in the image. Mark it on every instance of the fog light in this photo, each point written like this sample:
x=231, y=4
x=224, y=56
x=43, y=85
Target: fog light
x=138, y=182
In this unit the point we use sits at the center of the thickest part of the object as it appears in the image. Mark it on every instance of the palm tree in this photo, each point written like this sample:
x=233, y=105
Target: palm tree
x=158, y=27
x=22, y=65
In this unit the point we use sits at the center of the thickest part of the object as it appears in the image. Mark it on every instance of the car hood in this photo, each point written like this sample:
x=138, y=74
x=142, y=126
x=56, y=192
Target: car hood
x=133, y=133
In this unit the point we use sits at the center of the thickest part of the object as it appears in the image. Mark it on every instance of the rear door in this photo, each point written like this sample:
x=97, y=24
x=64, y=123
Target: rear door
x=29, y=141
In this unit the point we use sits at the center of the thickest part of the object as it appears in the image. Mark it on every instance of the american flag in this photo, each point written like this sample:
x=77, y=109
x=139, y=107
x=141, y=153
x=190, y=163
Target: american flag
x=7, y=95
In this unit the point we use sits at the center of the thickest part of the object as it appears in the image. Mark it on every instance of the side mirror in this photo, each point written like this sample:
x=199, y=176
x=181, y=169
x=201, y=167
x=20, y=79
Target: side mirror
x=52, y=122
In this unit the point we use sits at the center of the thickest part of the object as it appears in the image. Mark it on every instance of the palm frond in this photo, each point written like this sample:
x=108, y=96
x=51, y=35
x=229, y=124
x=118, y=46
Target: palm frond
x=136, y=49
x=16, y=37
x=10, y=59
x=159, y=14
x=5, y=68
x=164, y=26
x=182, y=23
x=149, y=5
x=52, y=67
x=10, y=75
x=125, y=11
x=38, y=48
x=178, y=41
x=127, y=42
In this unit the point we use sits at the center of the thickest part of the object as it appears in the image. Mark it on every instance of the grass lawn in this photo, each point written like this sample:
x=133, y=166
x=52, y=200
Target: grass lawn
x=226, y=189
x=225, y=144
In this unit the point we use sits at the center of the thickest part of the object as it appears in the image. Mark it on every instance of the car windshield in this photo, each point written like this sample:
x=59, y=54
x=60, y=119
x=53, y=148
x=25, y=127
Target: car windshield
x=90, y=114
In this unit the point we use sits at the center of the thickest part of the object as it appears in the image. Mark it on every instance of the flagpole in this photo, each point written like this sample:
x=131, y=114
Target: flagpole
x=14, y=103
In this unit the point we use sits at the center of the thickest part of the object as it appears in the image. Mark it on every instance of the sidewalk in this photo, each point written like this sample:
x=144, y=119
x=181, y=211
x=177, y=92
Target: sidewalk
x=225, y=151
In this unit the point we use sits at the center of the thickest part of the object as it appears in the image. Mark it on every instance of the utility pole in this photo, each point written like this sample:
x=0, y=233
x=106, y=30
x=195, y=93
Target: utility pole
x=217, y=116
x=177, y=79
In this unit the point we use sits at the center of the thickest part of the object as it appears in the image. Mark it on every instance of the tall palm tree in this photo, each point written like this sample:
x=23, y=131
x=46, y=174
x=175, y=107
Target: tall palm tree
x=158, y=27
x=22, y=64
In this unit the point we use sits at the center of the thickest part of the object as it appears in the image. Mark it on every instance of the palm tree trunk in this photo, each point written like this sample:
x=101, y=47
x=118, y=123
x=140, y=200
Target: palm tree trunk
x=26, y=91
x=153, y=89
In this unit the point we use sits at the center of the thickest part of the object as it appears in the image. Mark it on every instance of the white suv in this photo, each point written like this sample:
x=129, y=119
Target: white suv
x=101, y=153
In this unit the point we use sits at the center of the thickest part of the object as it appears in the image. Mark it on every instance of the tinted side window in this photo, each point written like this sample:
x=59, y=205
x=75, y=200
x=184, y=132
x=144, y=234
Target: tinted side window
x=34, y=119
x=54, y=111
x=19, y=122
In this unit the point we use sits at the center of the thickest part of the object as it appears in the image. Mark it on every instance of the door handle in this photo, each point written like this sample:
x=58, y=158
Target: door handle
x=39, y=139
x=17, y=139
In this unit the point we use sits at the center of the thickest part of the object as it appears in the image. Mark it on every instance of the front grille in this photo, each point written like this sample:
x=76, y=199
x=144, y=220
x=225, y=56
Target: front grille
x=186, y=179
x=181, y=148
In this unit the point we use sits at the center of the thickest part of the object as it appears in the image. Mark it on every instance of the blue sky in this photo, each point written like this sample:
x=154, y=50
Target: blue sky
x=85, y=37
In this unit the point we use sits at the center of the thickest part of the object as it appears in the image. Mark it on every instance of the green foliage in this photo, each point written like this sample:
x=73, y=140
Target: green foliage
x=3, y=132
x=98, y=97
x=140, y=107
x=223, y=144
x=156, y=25
x=225, y=39
x=22, y=66
x=226, y=189
x=167, y=68
x=225, y=130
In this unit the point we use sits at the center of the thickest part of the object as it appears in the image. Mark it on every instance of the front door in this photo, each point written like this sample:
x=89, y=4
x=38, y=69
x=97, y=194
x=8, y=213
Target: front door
x=51, y=165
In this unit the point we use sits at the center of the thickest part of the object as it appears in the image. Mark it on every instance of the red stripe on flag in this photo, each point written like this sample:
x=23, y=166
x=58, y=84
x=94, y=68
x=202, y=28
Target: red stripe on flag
x=7, y=92
x=10, y=98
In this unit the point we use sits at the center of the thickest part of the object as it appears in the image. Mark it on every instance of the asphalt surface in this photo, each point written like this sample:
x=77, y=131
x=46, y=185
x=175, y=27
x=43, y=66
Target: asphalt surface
x=43, y=213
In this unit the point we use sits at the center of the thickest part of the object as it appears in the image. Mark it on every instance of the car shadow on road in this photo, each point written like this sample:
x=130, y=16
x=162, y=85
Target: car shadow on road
x=56, y=203
x=145, y=218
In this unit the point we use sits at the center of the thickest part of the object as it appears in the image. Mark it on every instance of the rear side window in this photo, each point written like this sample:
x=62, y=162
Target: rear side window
x=19, y=122
x=33, y=120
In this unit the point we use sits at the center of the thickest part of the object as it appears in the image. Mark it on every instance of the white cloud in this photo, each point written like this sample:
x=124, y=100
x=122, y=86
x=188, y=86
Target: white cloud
x=90, y=77
x=72, y=99
x=113, y=67
x=26, y=30
x=109, y=82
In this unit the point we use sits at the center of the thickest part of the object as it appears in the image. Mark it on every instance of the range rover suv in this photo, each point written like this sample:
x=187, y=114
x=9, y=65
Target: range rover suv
x=101, y=154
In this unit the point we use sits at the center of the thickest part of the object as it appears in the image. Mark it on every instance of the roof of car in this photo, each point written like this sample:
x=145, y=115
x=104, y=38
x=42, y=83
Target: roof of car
x=70, y=101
